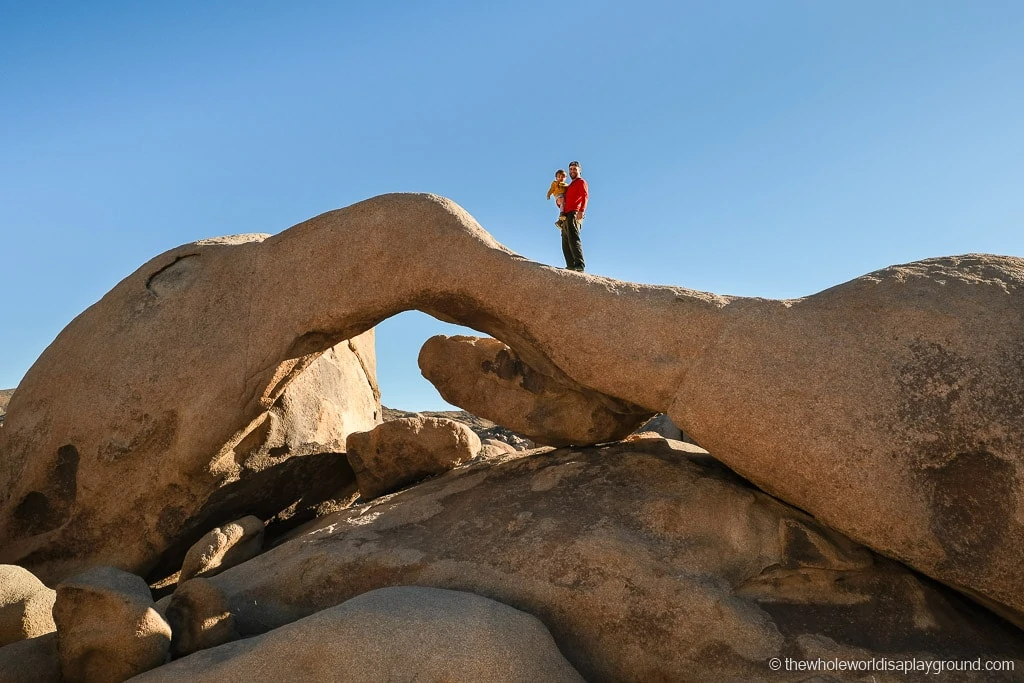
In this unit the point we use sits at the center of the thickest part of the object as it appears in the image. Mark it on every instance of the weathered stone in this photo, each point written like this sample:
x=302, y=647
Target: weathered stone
x=889, y=407
x=160, y=412
x=493, y=448
x=33, y=660
x=107, y=627
x=489, y=379
x=161, y=606
x=392, y=634
x=481, y=426
x=5, y=397
x=648, y=561
x=224, y=547
x=25, y=605
x=402, y=451
x=200, y=618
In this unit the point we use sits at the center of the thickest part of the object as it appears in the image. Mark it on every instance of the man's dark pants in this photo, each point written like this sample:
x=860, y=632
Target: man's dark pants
x=572, y=247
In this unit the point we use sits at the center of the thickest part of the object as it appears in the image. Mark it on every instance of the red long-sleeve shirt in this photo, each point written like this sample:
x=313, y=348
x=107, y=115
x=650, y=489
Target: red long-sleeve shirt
x=575, y=197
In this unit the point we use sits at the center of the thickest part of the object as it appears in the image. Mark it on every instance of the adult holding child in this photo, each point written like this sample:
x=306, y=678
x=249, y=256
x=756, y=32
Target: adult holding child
x=574, y=206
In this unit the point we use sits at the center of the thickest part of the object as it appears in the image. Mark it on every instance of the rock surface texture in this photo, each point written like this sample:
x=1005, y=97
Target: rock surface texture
x=166, y=409
x=403, y=451
x=223, y=548
x=5, y=398
x=489, y=379
x=33, y=660
x=646, y=561
x=25, y=605
x=394, y=634
x=889, y=407
x=200, y=618
x=107, y=627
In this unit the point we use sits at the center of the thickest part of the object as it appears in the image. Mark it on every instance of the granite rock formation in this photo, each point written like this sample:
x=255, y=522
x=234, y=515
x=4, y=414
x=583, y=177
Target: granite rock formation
x=888, y=407
x=646, y=560
x=145, y=422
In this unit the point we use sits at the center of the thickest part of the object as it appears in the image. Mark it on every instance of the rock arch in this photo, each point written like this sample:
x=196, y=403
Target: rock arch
x=848, y=403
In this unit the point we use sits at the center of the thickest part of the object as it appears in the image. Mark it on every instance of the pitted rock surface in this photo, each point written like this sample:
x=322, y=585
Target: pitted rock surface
x=26, y=605
x=223, y=548
x=107, y=627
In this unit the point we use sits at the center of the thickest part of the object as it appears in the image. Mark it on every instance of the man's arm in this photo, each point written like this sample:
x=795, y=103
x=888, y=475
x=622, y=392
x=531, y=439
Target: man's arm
x=583, y=204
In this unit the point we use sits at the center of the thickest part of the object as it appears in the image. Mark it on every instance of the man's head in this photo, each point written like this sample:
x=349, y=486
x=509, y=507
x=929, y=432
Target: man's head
x=574, y=169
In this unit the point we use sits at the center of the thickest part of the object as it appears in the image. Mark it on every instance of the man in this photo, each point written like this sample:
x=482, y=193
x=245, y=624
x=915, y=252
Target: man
x=574, y=206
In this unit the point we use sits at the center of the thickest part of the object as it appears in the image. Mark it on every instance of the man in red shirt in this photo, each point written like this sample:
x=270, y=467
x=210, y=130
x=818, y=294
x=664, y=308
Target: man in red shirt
x=574, y=206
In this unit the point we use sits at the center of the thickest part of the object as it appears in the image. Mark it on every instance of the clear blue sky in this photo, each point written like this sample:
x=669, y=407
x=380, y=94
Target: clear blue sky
x=755, y=148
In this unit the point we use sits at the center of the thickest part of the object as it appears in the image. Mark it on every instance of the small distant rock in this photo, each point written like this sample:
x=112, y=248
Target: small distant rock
x=402, y=633
x=108, y=629
x=223, y=548
x=5, y=398
x=406, y=450
x=25, y=605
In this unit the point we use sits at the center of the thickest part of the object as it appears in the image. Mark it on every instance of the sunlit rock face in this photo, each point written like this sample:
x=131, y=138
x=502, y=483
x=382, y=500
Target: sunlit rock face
x=406, y=633
x=889, y=407
x=647, y=560
x=142, y=426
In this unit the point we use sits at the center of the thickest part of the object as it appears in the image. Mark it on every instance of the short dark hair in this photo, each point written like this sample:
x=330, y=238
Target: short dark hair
x=575, y=163
x=560, y=171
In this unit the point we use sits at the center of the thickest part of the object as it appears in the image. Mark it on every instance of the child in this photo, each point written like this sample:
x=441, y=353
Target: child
x=557, y=189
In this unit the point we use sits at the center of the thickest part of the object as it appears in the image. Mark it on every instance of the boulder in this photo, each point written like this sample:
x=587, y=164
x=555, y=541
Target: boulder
x=33, y=660
x=489, y=379
x=150, y=419
x=25, y=605
x=494, y=448
x=393, y=634
x=889, y=406
x=107, y=627
x=482, y=427
x=224, y=547
x=402, y=451
x=199, y=617
x=648, y=561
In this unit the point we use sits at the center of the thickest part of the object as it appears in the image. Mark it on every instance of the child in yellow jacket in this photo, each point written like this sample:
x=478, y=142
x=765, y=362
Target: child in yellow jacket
x=557, y=189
